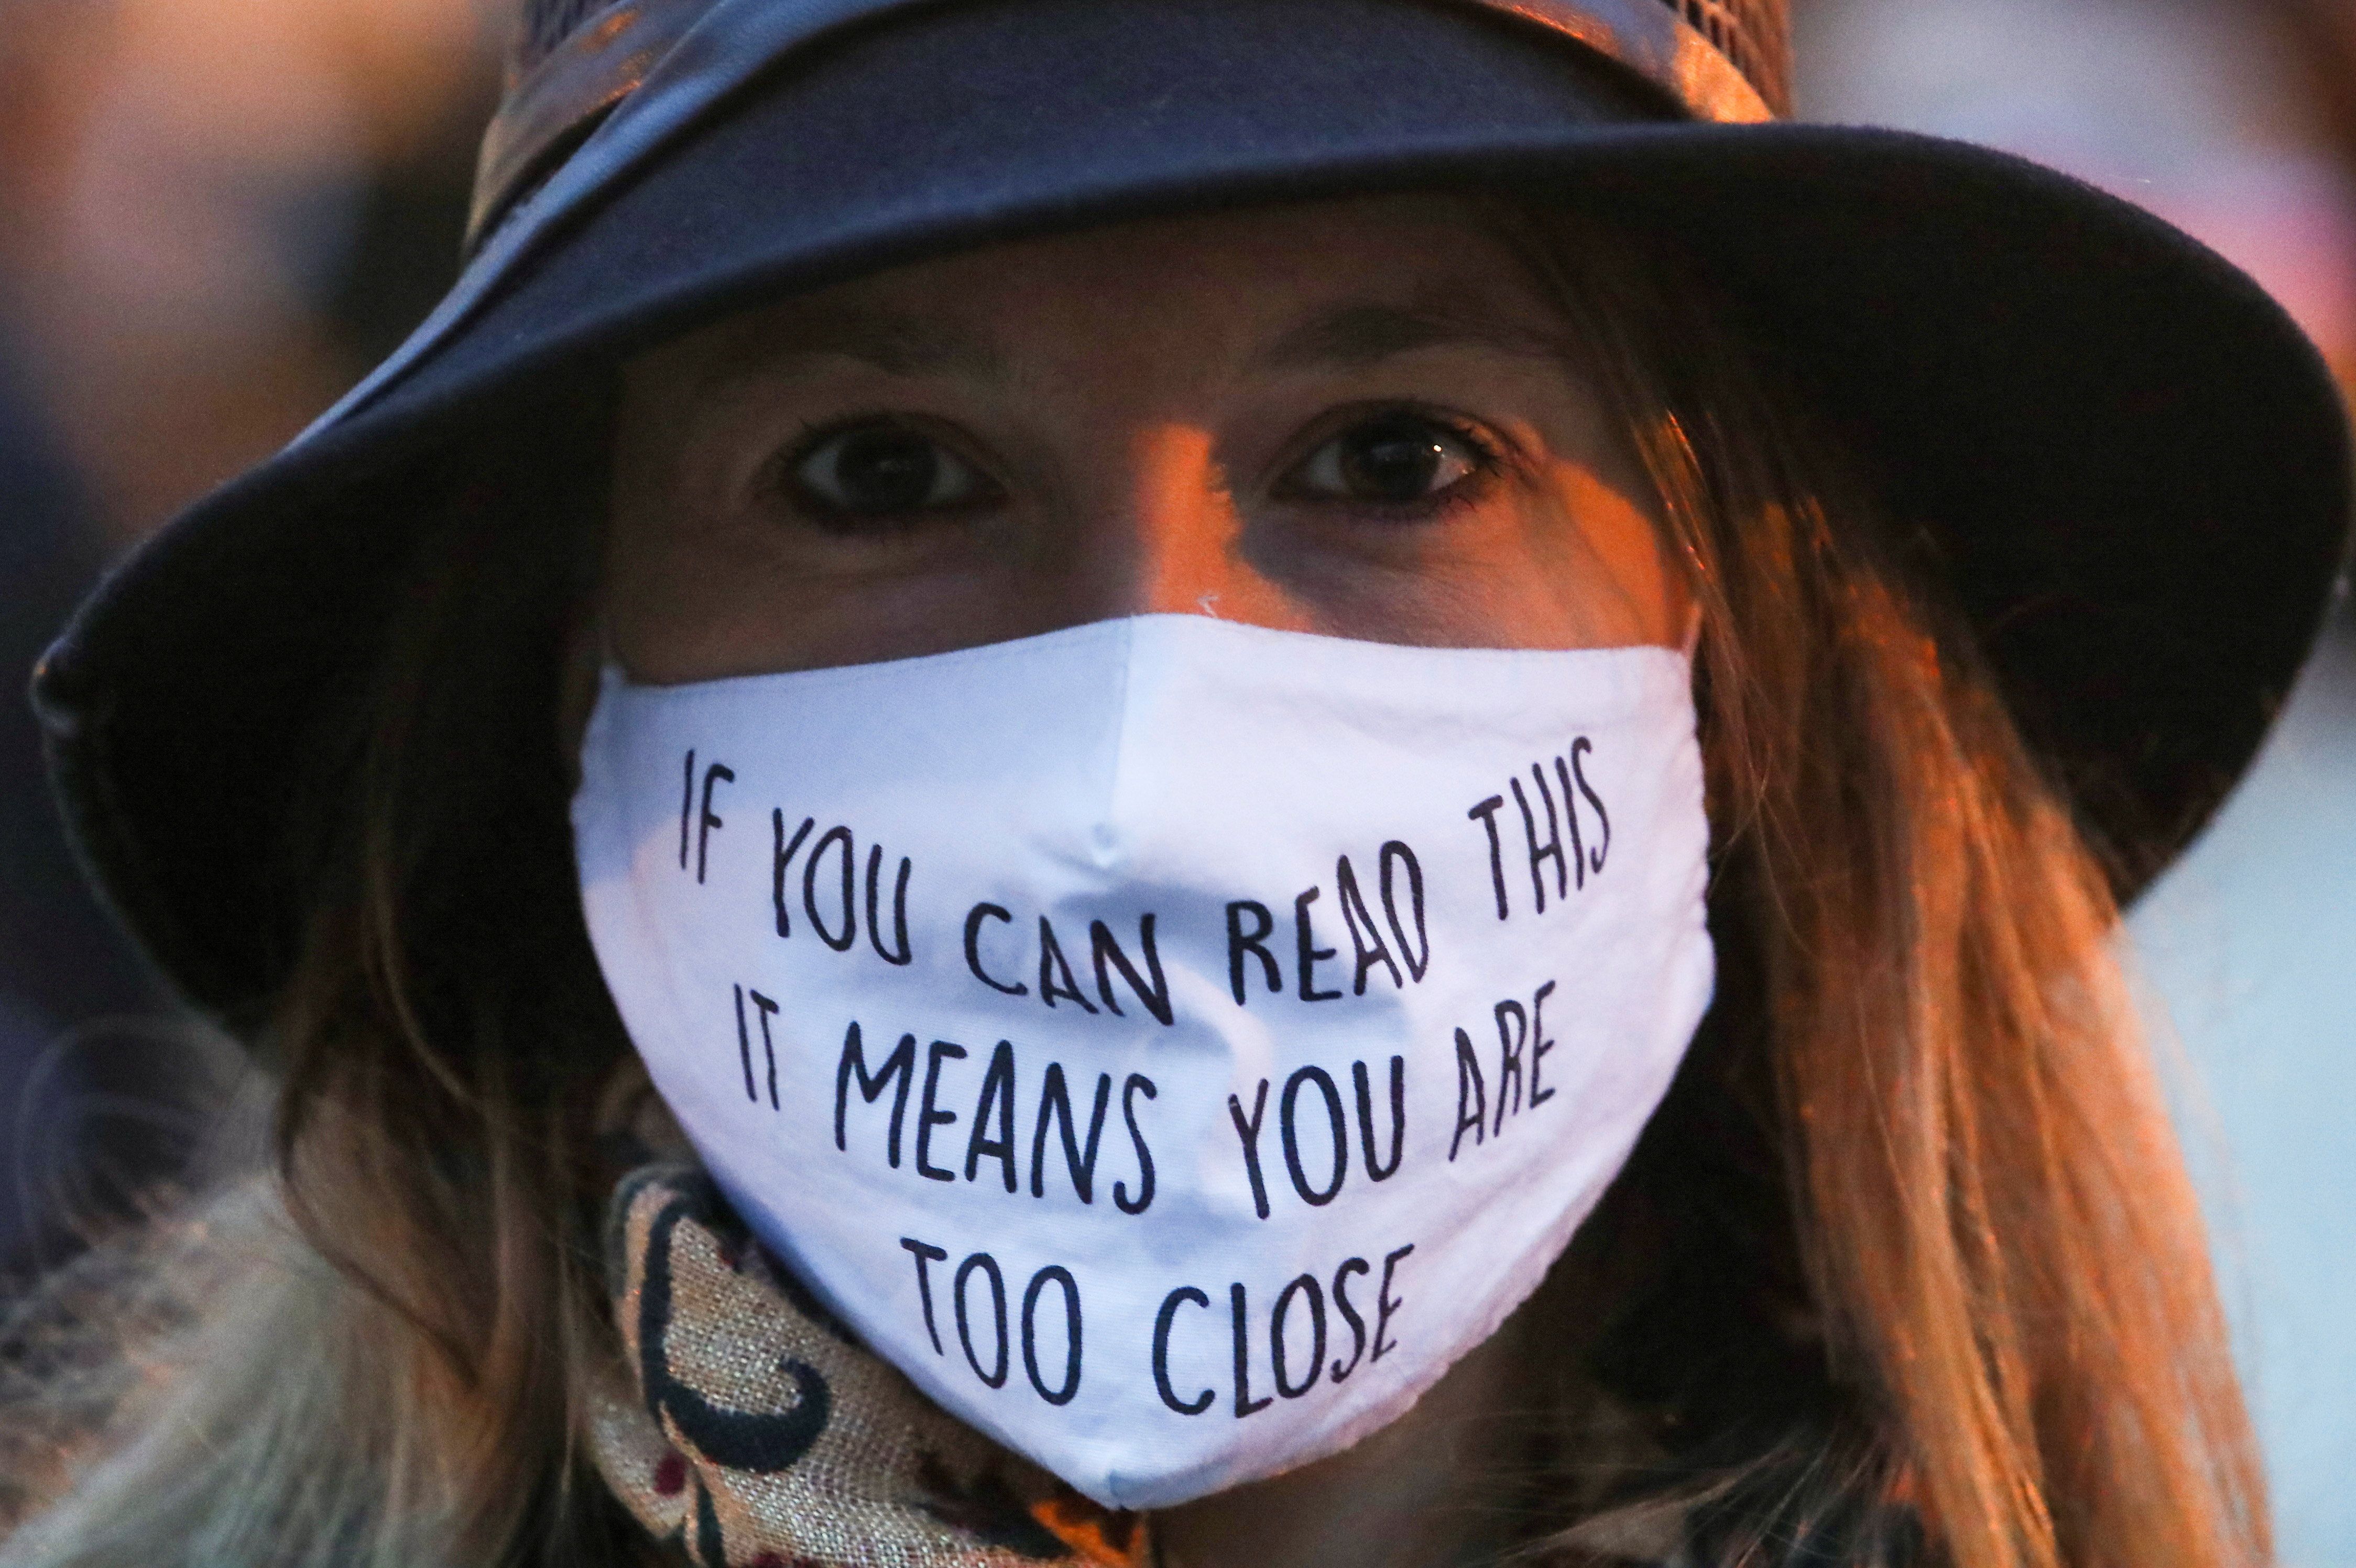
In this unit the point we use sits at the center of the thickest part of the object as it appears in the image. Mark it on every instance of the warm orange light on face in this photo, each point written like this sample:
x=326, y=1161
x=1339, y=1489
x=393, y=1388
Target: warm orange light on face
x=1139, y=416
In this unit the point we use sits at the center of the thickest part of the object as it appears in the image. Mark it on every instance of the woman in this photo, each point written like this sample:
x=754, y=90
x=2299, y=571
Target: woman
x=1124, y=640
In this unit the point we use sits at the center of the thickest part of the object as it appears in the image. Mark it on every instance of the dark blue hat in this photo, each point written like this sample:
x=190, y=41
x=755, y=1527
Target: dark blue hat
x=2135, y=469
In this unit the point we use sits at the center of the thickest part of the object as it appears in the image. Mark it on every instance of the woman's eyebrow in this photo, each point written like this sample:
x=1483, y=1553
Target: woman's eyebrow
x=1352, y=337
x=894, y=343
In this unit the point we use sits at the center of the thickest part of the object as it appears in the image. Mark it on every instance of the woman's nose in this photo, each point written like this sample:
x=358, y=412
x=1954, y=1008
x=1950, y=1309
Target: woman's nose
x=1160, y=533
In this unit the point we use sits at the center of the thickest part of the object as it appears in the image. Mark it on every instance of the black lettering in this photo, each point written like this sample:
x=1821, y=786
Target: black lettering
x=1365, y=936
x=744, y=1042
x=780, y=856
x=1510, y=1041
x=1239, y=1308
x=1316, y=1197
x=1579, y=749
x=1316, y=1334
x=1418, y=955
x=1472, y=1097
x=1137, y=1139
x=850, y=884
x=997, y=1091
x=1241, y=941
x=973, y=919
x=1248, y=1131
x=928, y=1118
x=1310, y=952
x=1385, y=1303
x=768, y=1010
x=1062, y=1278
x=1540, y=1044
x=1104, y=947
x=1375, y=1169
x=1056, y=1104
x=1054, y=966
x=1550, y=850
x=1161, y=1325
x=686, y=808
x=899, y=908
x=901, y=1064
x=926, y=1254
x=1485, y=813
x=715, y=774
x=996, y=1378
x=1570, y=821
x=1349, y=1312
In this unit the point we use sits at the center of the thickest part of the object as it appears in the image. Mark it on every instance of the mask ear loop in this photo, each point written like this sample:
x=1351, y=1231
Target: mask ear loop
x=1692, y=644
x=611, y=671
x=592, y=675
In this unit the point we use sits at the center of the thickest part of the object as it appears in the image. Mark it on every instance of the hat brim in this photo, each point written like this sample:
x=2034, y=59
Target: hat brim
x=2134, y=465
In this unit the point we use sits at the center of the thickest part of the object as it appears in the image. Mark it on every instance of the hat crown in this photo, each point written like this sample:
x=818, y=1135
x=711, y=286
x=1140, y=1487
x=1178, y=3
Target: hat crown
x=1754, y=37
x=574, y=62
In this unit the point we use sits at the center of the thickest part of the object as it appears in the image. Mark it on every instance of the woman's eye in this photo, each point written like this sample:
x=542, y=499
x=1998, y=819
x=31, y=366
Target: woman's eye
x=880, y=471
x=1393, y=459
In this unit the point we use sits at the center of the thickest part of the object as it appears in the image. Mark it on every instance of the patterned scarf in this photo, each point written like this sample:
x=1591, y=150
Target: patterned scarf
x=751, y=1429
x=747, y=1427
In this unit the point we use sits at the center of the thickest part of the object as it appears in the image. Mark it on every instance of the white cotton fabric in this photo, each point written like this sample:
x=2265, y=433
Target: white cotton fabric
x=1221, y=779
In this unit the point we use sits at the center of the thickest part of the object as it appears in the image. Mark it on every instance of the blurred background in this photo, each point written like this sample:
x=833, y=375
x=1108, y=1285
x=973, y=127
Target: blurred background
x=215, y=214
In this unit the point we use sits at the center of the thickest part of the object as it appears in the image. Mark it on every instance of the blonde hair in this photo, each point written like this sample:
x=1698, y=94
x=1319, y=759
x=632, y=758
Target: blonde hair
x=1998, y=1236
x=1916, y=1169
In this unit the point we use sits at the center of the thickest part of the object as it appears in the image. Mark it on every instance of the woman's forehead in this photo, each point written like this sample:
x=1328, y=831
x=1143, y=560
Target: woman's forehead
x=1268, y=290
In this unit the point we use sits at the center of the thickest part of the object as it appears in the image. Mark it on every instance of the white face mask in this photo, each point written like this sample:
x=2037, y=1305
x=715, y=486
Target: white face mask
x=1172, y=1044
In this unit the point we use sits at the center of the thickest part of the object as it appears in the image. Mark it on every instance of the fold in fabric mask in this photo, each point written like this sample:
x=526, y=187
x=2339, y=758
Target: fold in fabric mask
x=1172, y=1044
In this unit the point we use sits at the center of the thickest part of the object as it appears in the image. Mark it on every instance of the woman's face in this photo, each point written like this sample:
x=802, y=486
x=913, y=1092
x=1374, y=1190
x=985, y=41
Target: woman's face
x=1362, y=418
